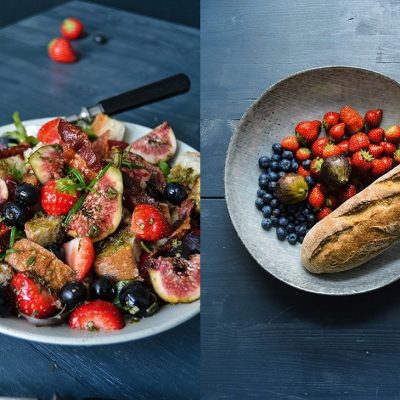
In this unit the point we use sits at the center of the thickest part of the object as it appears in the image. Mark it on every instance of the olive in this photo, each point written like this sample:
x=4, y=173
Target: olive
x=102, y=288
x=15, y=214
x=175, y=193
x=138, y=299
x=27, y=194
x=58, y=251
x=99, y=38
x=73, y=294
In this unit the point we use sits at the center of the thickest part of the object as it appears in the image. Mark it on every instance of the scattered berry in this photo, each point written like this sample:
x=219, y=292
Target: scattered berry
x=378, y=167
x=347, y=192
x=376, y=135
x=352, y=119
x=331, y=150
x=318, y=146
x=60, y=50
x=302, y=154
x=99, y=38
x=316, y=198
x=375, y=150
x=373, y=118
x=308, y=131
x=263, y=162
x=290, y=143
x=361, y=161
x=331, y=201
x=388, y=162
x=330, y=119
x=324, y=212
x=392, y=134
x=358, y=141
x=336, y=133
x=302, y=171
x=344, y=145
x=396, y=156
x=315, y=167
x=388, y=148
x=72, y=28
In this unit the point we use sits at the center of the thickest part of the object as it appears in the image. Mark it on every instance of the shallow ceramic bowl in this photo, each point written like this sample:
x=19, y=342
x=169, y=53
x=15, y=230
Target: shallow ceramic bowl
x=307, y=95
x=168, y=317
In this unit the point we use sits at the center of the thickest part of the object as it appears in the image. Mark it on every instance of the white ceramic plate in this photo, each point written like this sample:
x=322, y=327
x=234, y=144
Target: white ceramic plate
x=168, y=317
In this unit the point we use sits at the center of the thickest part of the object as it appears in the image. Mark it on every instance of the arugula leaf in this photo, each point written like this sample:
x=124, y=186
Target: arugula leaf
x=164, y=167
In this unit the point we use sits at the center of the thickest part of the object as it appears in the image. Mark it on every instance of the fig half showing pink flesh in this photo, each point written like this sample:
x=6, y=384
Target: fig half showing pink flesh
x=47, y=163
x=3, y=192
x=158, y=145
x=176, y=280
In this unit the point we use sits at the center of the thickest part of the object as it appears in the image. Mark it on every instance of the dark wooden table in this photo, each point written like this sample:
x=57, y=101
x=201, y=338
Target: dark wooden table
x=140, y=50
x=260, y=338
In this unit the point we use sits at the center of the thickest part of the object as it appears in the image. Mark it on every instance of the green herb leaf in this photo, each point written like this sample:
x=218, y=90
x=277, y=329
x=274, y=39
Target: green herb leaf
x=16, y=173
x=144, y=247
x=164, y=167
x=31, y=261
x=18, y=124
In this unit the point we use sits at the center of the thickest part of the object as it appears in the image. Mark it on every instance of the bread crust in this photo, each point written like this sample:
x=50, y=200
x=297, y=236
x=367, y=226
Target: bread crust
x=357, y=231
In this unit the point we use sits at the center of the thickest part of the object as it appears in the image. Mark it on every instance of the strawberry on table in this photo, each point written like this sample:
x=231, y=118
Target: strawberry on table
x=60, y=50
x=148, y=223
x=347, y=192
x=48, y=133
x=290, y=143
x=388, y=148
x=336, y=133
x=392, y=134
x=376, y=135
x=388, y=162
x=324, y=212
x=308, y=131
x=373, y=118
x=316, y=199
x=302, y=171
x=361, y=161
x=315, y=167
x=32, y=298
x=331, y=150
x=318, y=146
x=79, y=255
x=352, y=119
x=58, y=202
x=97, y=315
x=330, y=119
x=302, y=154
x=344, y=145
x=378, y=167
x=72, y=28
x=376, y=150
x=359, y=141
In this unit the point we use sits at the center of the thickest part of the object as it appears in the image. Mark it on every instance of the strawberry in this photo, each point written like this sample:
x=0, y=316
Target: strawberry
x=302, y=154
x=316, y=198
x=388, y=162
x=376, y=135
x=315, y=167
x=48, y=133
x=330, y=119
x=60, y=50
x=358, y=141
x=352, y=119
x=58, y=202
x=318, y=146
x=97, y=315
x=378, y=167
x=32, y=298
x=396, y=156
x=324, y=212
x=149, y=223
x=302, y=171
x=331, y=201
x=71, y=28
x=392, y=134
x=331, y=150
x=79, y=255
x=344, y=145
x=336, y=133
x=347, y=192
x=322, y=188
x=373, y=118
x=290, y=143
x=388, y=148
x=361, y=161
x=375, y=150
x=308, y=131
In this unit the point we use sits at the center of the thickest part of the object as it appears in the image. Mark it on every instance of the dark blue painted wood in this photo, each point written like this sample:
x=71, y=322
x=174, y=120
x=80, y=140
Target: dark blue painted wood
x=260, y=338
x=140, y=50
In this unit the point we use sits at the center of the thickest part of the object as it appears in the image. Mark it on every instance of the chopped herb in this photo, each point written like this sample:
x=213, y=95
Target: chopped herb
x=111, y=193
x=144, y=247
x=94, y=231
x=164, y=167
x=31, y=261
x=20, y=132
x=11, y=251
x=130, y=164
x=12, y=236
x=16, y=173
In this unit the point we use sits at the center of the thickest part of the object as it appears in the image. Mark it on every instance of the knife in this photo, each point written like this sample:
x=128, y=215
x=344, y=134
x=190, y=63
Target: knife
x=141, y=96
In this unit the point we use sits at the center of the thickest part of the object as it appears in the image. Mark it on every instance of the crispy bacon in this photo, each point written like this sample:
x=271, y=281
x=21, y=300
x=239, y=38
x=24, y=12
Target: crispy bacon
x=13, y=151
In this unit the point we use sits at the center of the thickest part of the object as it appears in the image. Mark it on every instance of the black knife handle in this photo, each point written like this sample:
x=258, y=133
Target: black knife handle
x=159, y=90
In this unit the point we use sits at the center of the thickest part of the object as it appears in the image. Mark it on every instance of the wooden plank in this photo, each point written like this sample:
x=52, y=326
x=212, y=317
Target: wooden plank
x=263, y=339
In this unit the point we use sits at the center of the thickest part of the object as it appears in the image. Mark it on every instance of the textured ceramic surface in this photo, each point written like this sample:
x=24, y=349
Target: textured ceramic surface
x=168, y=317
x=305, y=96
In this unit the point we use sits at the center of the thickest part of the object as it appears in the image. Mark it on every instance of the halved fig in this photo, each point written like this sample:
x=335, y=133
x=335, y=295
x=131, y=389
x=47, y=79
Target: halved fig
x=158, y=145
x=176, y=280
x=4, y=194
x=47, y=163
x=101, y=212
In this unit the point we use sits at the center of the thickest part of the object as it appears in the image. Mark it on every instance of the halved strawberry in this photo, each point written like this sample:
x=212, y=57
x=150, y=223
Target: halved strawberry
x=97, y=315
x=32, y=298
x=48, y=133
x=79, y=255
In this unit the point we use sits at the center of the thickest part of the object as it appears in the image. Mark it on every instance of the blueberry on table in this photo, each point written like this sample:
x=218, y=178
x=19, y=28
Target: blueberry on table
x=310, y=181
x=274, y=203
x=273, y=176
x=27, y=194
x=15, y=213
x=292, y=238
x=271, y=186
x=277, y=148
x=283, y=208
x=285, y=165
x=267, y=198
x=290, y=228
x=283, y=221
x=294, y=166
x=102, y=288
x=310, y=218
x=275, y=157
x=276, y=212
x=266, y=211
x=266, y=223
x=261, y=193
x=300, y=239
x=263, y=162
x=274, y=222
x=287, y=154
x=306, y=164
x=275, y=166
x=302, y=230
x=57, y=250
x=73, y=294
x=259, y=203
x=281, y=233
x=175, y=193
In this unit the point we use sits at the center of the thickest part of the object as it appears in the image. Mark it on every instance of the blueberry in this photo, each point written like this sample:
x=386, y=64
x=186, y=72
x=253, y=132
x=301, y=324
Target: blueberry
x=263, y=181
x=290, y=228
x=27, y=194
x=261, y=193
x=285, y=165
x=300, y=218
x=276, y=212
x=274, y=203
x=283, y=207
x=311, y=218
x=292, y=238
x=275, y=222
x=267, y=198
x=302, y=230
x=266, y=223
x=306, y=164
x=259, y=203
x=102, y=288
x=281, y=233
x=267, y=211
x=281, y=174
x=57, y=250
x=292, y=218
x=273, y=176
x=310, y=181
x=283, y=221
x=263, y=177
x=175, y=193
x=277, y=148
x=275, y=166
x=271, y=186
x=99, y=38
x=275, y=157
x=15, y=213
x=291, y=209
x=73, y=294
x=300, y=239
x=263, y=162
x=294, y=165
x=287, y=154
x=306, y=212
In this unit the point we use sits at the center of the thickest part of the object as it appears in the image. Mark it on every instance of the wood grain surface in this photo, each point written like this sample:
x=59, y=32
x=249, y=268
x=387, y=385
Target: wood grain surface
x=262, y=339
x=140, y=50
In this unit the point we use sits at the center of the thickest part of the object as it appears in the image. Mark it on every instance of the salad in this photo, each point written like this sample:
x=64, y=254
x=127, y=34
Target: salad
x=95, y=231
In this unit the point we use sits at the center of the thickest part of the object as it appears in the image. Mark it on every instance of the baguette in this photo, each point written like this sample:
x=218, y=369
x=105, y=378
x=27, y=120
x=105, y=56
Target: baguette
x=360, y=229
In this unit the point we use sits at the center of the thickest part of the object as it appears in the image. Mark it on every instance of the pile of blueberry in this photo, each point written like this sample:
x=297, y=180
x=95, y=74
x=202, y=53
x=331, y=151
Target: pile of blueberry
x=292, y=222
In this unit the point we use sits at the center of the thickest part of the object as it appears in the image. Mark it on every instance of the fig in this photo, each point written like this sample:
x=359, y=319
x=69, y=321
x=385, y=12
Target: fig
x=101, y=212
x=4, y=194
x=158, y=145
x=291, y=189
x=176, y=280
x=335, y=171
x=47, y=163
